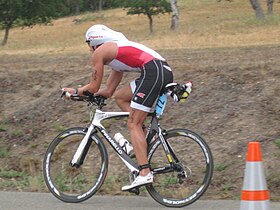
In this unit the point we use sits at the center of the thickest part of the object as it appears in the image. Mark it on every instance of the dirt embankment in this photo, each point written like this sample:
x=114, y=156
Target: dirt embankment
x=236, y=99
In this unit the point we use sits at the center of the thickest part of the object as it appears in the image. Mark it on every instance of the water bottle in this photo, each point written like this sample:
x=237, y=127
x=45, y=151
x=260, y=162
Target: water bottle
x=126, y=146
x=161, y=104
x=188, y=89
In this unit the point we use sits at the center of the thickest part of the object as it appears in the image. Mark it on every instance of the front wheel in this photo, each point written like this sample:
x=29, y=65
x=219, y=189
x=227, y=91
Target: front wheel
x=188, y=177
x=72, y=183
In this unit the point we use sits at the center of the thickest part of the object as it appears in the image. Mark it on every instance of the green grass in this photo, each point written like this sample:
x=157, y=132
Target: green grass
x=3, y=127
x=33, y=145
x=277, y=142
x=36, y=183
x=273, y=179
x=58, y=126
x=220, y=167
x=12, y=174
x=89, y=17
x=170, y=180
x=17, y=133
x=272, y=20
x=227, y=187
x=60, y=181
x=4, y=153
x=12, y=179
x=111, y=184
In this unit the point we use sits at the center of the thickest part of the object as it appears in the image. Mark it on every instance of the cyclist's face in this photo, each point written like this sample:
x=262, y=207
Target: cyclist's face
x=92, y=49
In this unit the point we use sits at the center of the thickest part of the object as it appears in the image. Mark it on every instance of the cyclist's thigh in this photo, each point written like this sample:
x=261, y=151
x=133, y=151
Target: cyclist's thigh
x=153, y=78
x=124, y=93
x=123, y=97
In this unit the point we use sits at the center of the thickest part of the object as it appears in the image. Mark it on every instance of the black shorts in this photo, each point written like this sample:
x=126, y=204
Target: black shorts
x=155, y=75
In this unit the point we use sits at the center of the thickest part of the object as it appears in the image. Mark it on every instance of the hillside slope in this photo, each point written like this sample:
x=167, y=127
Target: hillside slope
x=235, y=100
x=234, y=67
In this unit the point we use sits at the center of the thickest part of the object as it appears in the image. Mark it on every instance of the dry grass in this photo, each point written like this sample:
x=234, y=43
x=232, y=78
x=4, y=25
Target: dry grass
x=203, y=24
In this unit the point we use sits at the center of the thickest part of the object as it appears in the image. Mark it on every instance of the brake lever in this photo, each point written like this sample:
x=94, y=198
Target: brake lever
x=63, y=94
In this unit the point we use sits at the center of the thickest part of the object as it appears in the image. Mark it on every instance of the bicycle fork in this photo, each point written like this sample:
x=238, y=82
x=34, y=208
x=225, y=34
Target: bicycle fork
x=82, y=150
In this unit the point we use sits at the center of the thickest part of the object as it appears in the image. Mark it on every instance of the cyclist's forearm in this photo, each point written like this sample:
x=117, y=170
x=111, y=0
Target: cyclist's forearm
x=95, y=79
x=105, y=92
x=86, y=88
x=111, y=84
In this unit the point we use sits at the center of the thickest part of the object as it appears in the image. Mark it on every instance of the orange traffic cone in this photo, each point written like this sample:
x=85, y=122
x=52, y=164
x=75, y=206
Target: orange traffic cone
x=255, y=195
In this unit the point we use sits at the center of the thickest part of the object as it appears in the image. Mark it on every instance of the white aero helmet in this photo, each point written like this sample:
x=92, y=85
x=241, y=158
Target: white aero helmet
x=99, y=34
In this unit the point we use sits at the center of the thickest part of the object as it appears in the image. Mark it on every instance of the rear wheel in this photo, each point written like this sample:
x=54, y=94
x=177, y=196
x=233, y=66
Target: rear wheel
x=71, y=183
x=188, y=178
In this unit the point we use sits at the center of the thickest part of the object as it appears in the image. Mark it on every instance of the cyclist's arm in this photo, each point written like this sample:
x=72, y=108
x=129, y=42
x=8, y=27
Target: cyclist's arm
x=112, y=83
x=102, y=55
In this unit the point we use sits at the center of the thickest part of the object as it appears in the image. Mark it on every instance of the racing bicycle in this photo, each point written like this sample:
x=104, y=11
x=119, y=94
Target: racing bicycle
x=76, y=161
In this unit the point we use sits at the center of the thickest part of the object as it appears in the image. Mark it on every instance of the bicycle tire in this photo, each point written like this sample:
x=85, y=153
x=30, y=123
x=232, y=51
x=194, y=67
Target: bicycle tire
x=74, y=184
x=195, y=155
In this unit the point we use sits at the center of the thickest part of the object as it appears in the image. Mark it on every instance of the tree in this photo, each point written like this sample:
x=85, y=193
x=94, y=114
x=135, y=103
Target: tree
x=257, y=7
x=100, y=5
x=25, y=12
x=175, y=15
x=149, y=8
x=270, y=7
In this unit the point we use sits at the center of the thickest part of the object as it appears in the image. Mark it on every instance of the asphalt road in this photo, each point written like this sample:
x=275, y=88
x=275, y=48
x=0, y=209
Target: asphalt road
x=45, y=201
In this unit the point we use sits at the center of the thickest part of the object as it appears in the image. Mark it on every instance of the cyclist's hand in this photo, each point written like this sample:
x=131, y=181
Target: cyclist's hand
x=68, y=93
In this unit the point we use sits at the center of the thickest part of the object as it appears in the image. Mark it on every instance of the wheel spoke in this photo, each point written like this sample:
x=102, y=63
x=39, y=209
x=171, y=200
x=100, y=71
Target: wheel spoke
x=189, y=177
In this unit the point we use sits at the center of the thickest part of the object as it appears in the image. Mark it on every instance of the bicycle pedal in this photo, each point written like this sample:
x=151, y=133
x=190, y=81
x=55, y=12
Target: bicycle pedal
x=135, y=190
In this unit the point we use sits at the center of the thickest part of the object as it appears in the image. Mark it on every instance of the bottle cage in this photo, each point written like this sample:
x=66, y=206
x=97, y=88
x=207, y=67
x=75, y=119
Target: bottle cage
x=178, y=92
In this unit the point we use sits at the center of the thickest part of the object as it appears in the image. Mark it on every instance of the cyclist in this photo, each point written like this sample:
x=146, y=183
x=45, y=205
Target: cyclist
x=112, y=48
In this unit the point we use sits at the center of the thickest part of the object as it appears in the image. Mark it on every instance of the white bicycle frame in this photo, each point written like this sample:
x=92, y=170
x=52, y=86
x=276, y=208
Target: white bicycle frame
x=96, y=124
x=99, y=115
